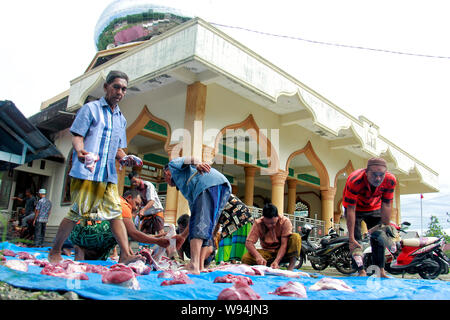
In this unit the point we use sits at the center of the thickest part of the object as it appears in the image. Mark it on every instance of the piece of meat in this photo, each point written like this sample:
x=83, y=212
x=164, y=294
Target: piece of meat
x=168, y=274
x=231, y=278
x=330, y=284
x=139, y=267
x=60, y=272
x=122, y=275
x=25, y=255
x=96, y=269
x=239, y=268
x=8, y=253
x=36, y=262
x=291, y=289
x=18, y=265
x=178, y=278
x=239, y=291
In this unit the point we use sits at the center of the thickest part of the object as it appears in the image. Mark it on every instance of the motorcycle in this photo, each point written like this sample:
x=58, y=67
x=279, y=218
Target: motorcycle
x=423, y=255
x=332, y=250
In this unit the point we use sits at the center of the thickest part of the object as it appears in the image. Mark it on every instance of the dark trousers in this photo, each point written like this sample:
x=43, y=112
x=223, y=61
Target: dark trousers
x=39, y=233
x=371, y=219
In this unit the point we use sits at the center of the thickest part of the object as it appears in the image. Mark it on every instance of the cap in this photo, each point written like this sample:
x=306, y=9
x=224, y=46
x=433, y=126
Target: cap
x=42, y=191
x=376, y=162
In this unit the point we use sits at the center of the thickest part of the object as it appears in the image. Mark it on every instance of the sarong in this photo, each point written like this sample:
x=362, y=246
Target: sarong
x=92, y=200
x=205, y=211
x=97, y=238
x=293, y=250
x=232, y=247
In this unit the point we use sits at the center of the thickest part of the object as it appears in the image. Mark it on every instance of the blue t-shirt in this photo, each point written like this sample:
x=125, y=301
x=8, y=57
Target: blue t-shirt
x=104, y=132
x=200, y=182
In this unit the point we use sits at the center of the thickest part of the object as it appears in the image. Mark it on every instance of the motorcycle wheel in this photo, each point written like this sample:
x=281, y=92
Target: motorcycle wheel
x=344, y=261
x=432, y=269
x=300, y=262
x=319, y=266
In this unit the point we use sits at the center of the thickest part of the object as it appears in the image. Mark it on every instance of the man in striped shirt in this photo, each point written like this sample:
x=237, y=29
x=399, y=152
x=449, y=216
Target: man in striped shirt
x=99, y=137
x=367, y=197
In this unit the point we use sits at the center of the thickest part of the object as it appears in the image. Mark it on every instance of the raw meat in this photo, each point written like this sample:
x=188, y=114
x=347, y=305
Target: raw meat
x=89, y=161
x=178, y=278
x=25, y=256
x=170, y=274
x=58, y=271
x=122, y=275
x=231, y=278
x=8, y=253
x=291, y=289
x=96, y=269
x=18, y=265
x=259, y=270
x=239, y=291
x=330, y=284
x=139, y=267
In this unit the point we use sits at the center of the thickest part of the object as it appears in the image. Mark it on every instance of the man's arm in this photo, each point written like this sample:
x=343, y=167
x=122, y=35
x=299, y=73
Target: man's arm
x=200, y=166
x=281, y=253
x=350, y=216
x=252, y=250
x=139, y=236
x=386, y=211
x=120, y=154
x=78, y=145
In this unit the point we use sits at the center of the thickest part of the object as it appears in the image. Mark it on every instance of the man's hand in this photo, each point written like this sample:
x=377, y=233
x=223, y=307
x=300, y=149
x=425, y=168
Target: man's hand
x=352, y=244
x=179, y=240
x=163, y=242
x=261, y=261
x=275, y=265
x=203, y=167
x=82, y=155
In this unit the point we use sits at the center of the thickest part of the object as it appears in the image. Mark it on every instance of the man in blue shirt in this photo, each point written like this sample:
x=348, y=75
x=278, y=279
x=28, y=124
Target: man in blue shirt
x=207, y=191
x=99, y=136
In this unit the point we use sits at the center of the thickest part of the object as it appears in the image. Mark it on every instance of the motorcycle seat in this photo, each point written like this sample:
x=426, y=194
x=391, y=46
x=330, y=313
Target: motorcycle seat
x=325, y=242
x=419, y=242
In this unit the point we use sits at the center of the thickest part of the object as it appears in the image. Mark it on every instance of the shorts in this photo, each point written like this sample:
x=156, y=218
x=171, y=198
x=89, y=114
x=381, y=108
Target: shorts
x=93, y=200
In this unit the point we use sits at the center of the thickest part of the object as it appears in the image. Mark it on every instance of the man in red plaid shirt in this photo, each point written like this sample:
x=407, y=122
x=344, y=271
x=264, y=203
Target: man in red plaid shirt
x=367, y=197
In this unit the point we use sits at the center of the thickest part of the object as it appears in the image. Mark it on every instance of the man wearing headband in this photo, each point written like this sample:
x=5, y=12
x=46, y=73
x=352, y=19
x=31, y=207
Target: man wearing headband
x=367, y=197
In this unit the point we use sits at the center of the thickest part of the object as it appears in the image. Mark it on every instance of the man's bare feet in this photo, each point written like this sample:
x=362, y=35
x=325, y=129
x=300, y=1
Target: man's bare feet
x=130, y=258
x=362, y=273
x=54, y=257
x=191, y=269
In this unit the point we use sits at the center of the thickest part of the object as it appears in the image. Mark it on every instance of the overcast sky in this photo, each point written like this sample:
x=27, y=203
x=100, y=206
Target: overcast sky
x=45, y=44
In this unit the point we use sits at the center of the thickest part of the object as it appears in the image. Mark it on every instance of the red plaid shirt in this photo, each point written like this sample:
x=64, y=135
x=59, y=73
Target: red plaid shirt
x=358, y=192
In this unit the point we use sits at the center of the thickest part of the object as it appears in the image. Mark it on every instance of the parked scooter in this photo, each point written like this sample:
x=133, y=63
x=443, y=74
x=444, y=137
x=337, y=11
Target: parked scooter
x=333, y=251
x=417, y=255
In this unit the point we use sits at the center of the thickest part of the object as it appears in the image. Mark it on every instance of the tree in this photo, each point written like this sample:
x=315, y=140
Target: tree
x=435, y=229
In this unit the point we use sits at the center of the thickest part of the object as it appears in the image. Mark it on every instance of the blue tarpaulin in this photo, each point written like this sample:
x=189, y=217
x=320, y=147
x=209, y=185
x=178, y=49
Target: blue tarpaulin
x=366, y=288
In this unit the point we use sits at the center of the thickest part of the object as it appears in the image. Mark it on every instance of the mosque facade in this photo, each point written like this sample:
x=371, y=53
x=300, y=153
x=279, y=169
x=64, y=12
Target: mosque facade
x=195, y=91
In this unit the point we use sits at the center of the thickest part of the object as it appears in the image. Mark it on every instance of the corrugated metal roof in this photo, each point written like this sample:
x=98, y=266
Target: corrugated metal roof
x=20, y=140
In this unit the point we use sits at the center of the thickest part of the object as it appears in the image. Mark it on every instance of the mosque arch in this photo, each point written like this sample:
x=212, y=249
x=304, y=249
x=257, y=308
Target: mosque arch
x=315, y=161
x=250, y=127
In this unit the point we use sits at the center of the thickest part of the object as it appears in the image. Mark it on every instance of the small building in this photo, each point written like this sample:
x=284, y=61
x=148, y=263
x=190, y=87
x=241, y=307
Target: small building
x=193, y=90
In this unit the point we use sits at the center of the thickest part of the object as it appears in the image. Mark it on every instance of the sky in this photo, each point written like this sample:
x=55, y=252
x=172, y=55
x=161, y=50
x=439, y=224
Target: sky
x=45, y=44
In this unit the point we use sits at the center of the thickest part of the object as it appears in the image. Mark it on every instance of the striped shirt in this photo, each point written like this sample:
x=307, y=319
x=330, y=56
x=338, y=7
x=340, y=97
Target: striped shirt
x=104, y=132
x=358, y=192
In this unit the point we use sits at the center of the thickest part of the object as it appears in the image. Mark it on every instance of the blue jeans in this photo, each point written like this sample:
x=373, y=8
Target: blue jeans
x=39, y=233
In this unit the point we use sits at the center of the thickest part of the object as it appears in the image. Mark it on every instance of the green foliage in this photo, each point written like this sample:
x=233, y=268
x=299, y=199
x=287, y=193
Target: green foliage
x=435, y=229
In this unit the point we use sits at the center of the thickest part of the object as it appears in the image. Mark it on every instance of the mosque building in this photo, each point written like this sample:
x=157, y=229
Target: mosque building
x=195, y=91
